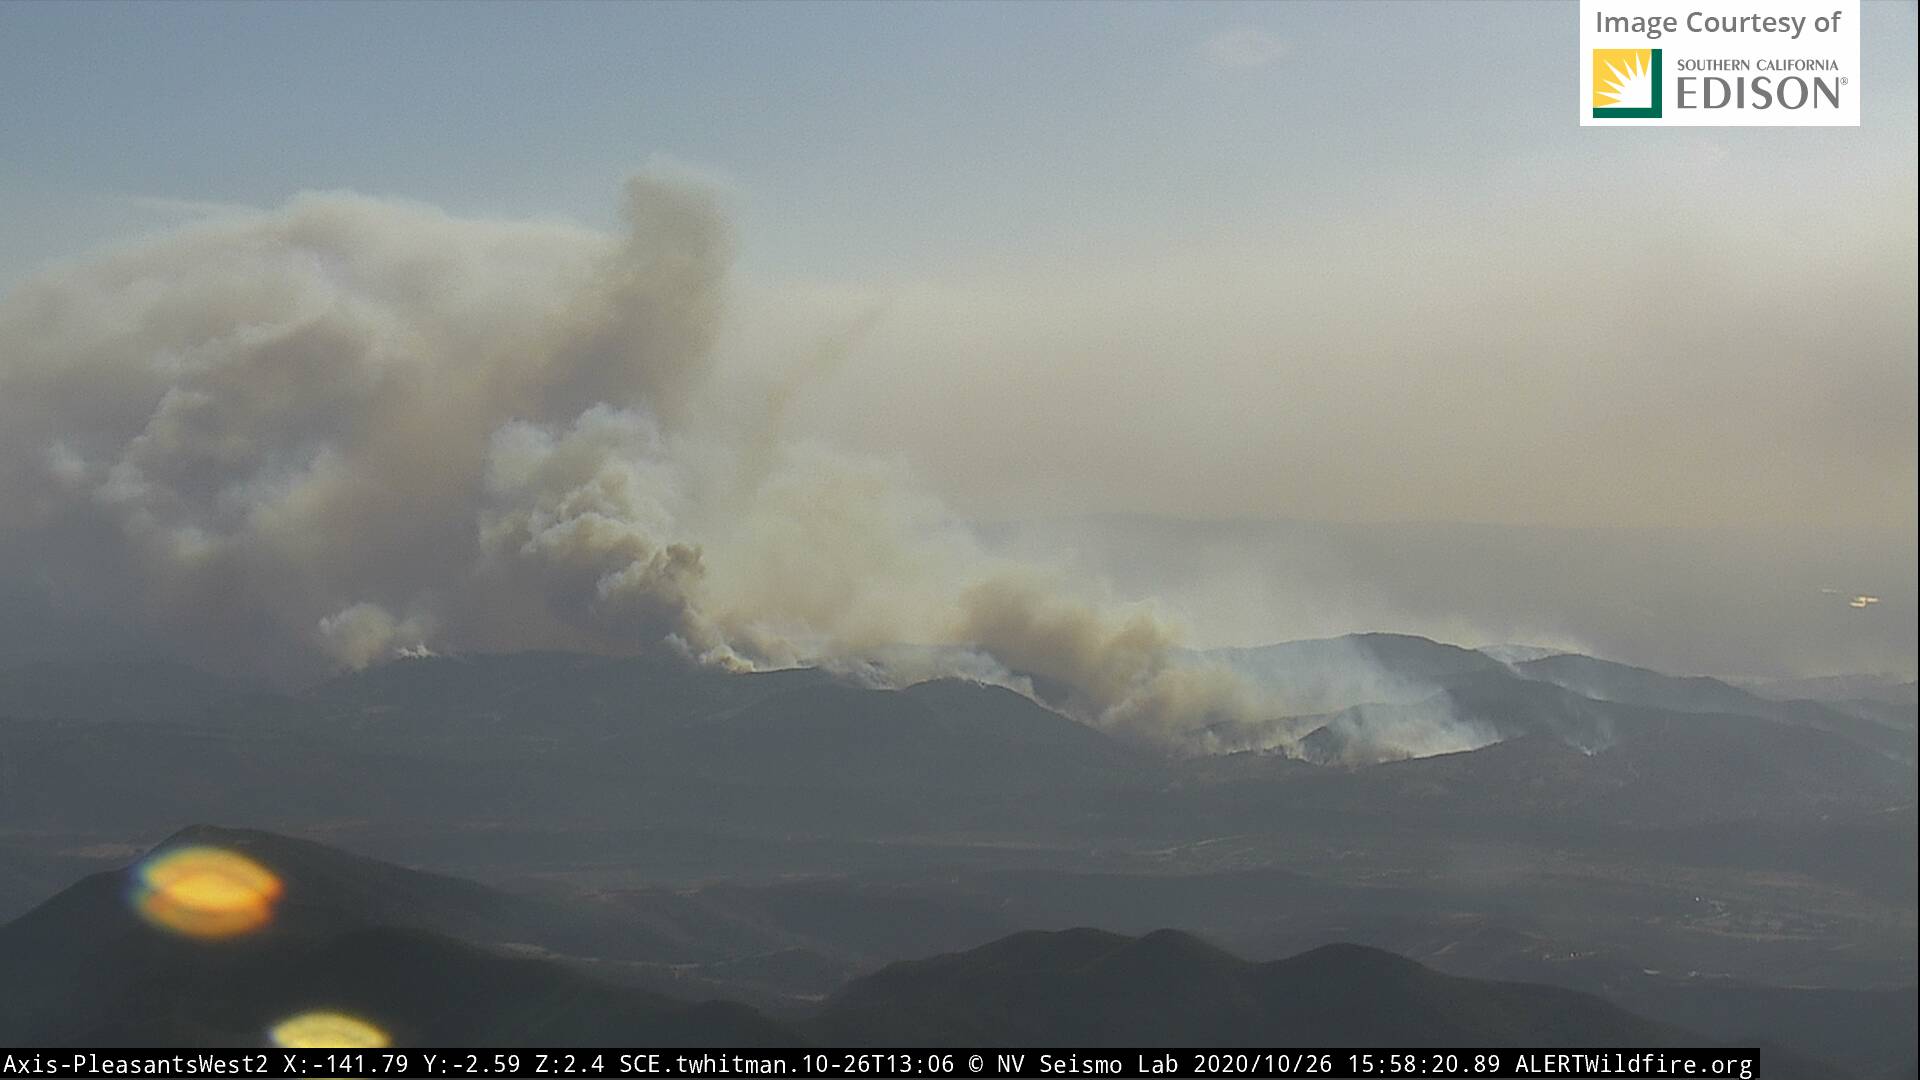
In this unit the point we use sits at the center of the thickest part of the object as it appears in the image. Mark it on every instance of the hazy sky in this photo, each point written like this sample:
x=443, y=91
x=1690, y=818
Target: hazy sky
x=1183, y=258
x=1343, y=262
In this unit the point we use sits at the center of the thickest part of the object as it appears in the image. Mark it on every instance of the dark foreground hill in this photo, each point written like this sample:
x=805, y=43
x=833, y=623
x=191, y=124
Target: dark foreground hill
x=345, y=934
x=565, y=741
x=420, y=988
x=379, y=942
x=764, y=837
x=1167, y=988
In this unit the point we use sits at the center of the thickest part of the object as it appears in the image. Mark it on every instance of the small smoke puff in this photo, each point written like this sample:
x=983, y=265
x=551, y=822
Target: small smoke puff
x=363, y=633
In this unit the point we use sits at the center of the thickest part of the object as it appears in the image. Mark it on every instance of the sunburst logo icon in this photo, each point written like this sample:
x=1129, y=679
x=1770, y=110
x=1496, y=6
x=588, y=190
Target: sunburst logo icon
x=1626, y=83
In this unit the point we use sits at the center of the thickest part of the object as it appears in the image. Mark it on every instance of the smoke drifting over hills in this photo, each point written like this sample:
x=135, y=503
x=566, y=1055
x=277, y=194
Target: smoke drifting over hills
x=349, y=428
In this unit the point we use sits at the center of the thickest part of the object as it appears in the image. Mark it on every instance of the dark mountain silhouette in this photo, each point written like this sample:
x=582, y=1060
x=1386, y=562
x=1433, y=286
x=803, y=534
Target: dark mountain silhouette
x=1389, y=696
x=764, y=837
x=1884, y=689
x=348, y=932
x=1860, y=1031
x=940, y=754
x=558, y=739
x=139, y=691
x=561, y=738
x=1326, y=675
x=1602, y=680
x=1656, y=768
x=1480, y=708
x=384, y=944
x=756, y=942
x=537, y=691
x=422, y=989
x=1606, y=680
x=1095, y=988
x=1406, y=655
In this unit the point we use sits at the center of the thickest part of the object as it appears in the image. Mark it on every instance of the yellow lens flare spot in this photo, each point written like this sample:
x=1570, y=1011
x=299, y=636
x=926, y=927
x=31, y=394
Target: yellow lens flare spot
x=329, y=1030
x=205, y=892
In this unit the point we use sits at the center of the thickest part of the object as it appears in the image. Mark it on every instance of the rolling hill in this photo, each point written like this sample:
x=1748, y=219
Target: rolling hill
x=385, y=944
x=1094, y=988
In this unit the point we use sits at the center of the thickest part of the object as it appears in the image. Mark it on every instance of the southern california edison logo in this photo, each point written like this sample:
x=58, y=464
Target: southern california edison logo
x=1626, y=84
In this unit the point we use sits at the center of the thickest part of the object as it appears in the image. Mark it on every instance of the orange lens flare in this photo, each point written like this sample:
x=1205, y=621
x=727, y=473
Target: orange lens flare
x=324, y=1029
x=204, y=892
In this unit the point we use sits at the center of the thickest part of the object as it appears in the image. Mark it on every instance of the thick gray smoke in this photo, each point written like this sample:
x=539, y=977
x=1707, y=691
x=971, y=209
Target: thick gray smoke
x=349, y=429
x=327, y=428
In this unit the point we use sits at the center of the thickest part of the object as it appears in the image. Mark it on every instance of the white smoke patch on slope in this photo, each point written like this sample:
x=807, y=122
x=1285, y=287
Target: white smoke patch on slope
x=1370, y=733
x=349, y=429
x=364, y=633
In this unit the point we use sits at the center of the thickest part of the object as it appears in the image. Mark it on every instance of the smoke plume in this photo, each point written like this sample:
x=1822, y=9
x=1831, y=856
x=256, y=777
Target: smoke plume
x=349, y=428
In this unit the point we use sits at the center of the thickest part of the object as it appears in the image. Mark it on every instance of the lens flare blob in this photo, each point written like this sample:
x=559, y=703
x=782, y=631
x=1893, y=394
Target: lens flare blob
x=322, y=1028
x=206, y=892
